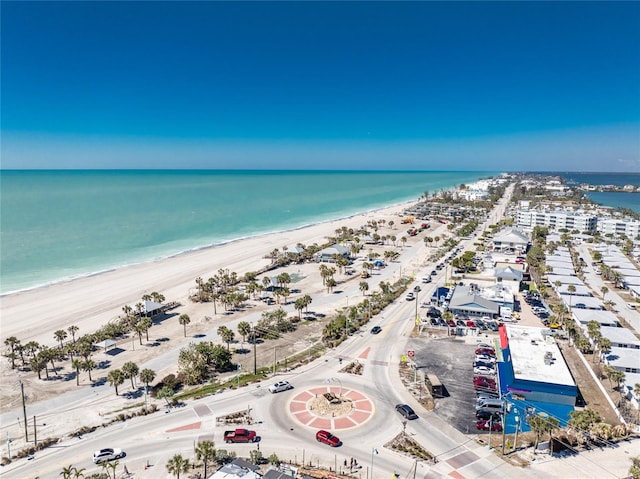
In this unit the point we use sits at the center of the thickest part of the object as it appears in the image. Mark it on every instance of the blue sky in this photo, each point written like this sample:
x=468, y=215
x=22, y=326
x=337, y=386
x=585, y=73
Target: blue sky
x=364, y=85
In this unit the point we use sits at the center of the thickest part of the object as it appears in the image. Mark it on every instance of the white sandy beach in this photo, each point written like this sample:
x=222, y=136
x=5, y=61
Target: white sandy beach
x=89, y=302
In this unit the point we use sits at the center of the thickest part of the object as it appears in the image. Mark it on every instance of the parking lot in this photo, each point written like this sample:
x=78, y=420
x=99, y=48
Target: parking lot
x=451, y=359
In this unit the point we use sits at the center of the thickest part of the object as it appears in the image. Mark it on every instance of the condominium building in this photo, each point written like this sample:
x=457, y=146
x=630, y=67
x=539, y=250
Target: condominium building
x=558, y=219
x=630, y=228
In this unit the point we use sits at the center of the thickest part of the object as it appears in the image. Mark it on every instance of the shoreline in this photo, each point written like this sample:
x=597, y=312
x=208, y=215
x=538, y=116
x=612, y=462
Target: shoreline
x=94, y=299
x=195, y=249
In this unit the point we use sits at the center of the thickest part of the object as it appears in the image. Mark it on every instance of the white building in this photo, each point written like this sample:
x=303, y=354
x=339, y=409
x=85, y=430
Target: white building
x=556, y=220
x=628, y=227
x=510, y=240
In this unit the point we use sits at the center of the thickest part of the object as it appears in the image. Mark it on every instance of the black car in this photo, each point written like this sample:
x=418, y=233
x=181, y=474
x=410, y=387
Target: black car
x=488, y=415
x=376, y=330
x=406, y=411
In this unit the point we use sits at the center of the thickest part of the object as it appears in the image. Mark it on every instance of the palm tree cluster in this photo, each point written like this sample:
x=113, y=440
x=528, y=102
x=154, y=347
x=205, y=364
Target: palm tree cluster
x=223, y=287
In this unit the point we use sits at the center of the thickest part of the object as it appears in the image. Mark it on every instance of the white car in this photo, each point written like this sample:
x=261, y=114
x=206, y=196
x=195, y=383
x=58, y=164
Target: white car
x=485, y=358
x=107, y=455
x=483, y=370
x=280, y=386
x=410, y=296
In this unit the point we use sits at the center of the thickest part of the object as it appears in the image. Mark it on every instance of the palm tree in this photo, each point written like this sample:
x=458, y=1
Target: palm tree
x=89, y=365
x=184, y=319
x=77, y=365
x=618, y=377
x=226, y=335
x=244, y=328
x=116, y=378
x=145, y=324
x=206, y=452
x=78, y=473
x=604, y=290
x=178, y=464
x=636, y=392
x=571, y=289
x=67, y=471
x=364, y=287
x=130, y=371
x=12, y=342
x=60, y=335
x=604, y=344
x=147, y=376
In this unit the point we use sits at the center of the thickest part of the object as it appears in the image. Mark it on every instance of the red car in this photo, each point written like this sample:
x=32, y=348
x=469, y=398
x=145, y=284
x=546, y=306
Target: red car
x=487, y=351
x=451, y=323
x=471, y=324
x=481, y=382
x=486, y=425
x=327, y=438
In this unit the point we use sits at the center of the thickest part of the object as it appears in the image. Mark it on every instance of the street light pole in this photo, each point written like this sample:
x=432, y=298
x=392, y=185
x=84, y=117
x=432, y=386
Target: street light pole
x=373, y=451
x=255, y=357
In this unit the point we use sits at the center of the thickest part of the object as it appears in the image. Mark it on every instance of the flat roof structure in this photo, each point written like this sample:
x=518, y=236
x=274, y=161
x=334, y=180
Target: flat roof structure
x=563, y=271
x=560, y=258
x=554, y=263
x=619, y=336
x=574, y=302
x=529, y=350
x=629, y=273
x=581, y=290
x=564, y=279
x=624, y=359
x=603, y=317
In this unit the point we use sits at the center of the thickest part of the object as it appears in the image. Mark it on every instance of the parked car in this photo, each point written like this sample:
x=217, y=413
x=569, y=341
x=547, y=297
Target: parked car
x=485, y=358
x=484, y=346
x=483, y=370
x=486, y=352
x=486, y=425
x=435, y=321
x=451, y=323
x=406, y=411
x=107, y=454
x=481, y=325
x=280, y=386
x=471, y=324
x=240, y=435
x=488, y=415
x=376, y=330
x=460, y=323
x=327, y=438
x=482, y=382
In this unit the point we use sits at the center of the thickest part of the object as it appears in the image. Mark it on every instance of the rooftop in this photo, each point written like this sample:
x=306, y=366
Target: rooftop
x=529, y=349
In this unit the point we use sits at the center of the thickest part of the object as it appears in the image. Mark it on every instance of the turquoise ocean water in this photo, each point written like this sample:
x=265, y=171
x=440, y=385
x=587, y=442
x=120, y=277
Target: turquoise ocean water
x=57, y=225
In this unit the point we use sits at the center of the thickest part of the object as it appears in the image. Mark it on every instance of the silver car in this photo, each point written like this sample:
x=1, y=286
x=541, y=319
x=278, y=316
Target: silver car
x=107, y=454
x=280, y=386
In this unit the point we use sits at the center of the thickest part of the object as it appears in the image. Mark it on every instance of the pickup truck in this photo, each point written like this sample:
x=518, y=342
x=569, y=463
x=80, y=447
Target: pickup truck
x=240, y=435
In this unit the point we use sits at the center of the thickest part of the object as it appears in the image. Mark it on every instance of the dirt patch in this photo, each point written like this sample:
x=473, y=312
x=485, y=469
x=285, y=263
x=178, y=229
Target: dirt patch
x=591, y=393
x=407, y=445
